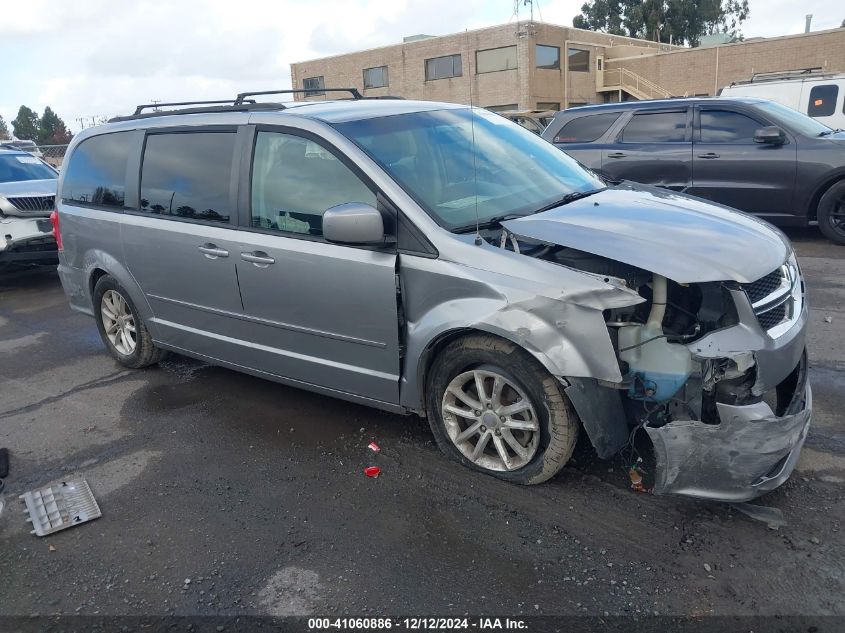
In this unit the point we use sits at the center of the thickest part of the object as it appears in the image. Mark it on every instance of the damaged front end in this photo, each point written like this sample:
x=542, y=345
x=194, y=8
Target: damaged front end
x=714, y=371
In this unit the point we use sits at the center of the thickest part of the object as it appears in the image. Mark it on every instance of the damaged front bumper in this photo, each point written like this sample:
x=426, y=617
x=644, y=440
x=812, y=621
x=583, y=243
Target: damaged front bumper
x=27, y=239
x=751, y=451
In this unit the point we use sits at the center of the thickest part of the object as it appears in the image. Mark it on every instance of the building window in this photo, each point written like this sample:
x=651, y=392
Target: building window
x=823, y=100
x=503, y=108
x=548, y=57
x=548, y=105
x=579, y=60
x=495, y=59
x=314, y=85
x=443, y=67
x=375, y=77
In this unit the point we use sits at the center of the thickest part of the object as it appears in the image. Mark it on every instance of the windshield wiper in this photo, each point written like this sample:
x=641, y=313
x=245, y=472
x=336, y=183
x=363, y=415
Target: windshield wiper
x=570, y=197
x=829, y=132
x=488, y=223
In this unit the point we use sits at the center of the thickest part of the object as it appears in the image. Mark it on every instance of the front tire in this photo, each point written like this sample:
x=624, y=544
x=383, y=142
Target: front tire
x=495, y=409
x=122, y=330
x=831, y=213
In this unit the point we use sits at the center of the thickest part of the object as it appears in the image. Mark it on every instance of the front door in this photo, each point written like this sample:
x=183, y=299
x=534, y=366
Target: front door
x=180, y=245
x=731, y=169
x=653, y=148
x=316, y=312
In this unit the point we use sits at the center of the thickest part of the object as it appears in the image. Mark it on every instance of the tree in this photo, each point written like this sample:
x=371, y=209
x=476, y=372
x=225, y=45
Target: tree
x=52, y=130
x=678, y=21
x=4, y=130
x=25, y=125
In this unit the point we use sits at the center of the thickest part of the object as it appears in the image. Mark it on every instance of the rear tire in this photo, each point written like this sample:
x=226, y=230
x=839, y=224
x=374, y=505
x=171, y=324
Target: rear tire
x=530, y=425
x=831, y=213
x=123, y=332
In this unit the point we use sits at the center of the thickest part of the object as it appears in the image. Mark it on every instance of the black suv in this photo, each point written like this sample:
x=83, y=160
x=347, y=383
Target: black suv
x=751, y=154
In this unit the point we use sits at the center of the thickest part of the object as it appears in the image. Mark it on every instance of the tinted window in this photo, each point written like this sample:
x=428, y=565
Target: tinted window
x=375, y=77
x=96, y=173
x=721, y=126
x=586, y=128
x=660, y=127
x=316, y=86
x=495, y=59
x=187, y=175
x=579, y=60
x=548, y=56
x=823, y=100
x=295, y=180
x=443, y=67
x=20, y=167
x=548, y=105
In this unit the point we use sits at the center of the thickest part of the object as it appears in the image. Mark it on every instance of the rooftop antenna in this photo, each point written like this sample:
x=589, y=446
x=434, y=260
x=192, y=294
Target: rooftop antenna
x=478, y=240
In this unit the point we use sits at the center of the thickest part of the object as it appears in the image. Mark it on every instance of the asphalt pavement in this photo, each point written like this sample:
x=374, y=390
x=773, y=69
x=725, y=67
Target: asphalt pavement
x=227, y=494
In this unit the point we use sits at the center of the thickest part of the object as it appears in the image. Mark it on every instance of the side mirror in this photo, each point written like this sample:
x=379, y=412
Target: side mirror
x=771, y=135
x=353, y=223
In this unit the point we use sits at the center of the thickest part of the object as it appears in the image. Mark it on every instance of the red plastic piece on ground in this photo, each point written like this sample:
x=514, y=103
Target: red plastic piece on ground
x=373, y=447
x=372, y=471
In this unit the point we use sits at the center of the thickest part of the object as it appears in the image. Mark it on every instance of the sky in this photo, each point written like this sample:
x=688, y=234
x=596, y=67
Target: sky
x=94, y=58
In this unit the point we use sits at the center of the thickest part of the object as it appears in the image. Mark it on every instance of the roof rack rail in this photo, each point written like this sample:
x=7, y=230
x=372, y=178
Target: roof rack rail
x=244, y=107
x=144, y=106
x=353, y=91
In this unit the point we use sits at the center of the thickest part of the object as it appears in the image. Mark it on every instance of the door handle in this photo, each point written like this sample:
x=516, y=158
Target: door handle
x=617, y=155
x=212, y=252
x=708, y=155
x=258, y=258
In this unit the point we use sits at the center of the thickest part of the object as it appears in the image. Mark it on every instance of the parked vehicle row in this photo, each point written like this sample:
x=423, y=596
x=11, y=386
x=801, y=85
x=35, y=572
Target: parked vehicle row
x=436, y=259
x=750, y=154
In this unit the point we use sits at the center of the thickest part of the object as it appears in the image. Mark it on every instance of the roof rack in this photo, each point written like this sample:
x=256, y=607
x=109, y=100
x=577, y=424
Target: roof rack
x=318, y=91
x=778, y=75
x=159, y=104
x=242, y=103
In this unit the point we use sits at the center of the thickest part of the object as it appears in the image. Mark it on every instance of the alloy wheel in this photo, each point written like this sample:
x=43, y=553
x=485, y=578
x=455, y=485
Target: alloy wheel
x=118, y=322
x=490, y=420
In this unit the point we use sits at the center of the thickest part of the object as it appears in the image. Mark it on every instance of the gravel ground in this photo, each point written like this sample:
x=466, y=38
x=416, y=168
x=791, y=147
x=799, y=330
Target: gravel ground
x=226, y=494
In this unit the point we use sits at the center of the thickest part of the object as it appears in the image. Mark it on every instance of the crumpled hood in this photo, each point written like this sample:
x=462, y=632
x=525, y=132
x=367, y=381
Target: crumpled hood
x=682, y=238
x=29, y=188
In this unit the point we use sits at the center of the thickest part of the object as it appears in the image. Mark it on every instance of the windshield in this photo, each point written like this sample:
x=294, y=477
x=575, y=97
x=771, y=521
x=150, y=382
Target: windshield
x=430, y=154
x=19, y=167
x=793, y=119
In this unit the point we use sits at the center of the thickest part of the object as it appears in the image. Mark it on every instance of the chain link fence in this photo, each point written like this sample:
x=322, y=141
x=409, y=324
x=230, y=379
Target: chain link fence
x=53, y=154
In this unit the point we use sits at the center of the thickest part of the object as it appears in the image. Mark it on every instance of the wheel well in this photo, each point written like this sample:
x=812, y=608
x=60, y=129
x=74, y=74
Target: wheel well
x=95, y=277
x=441, y=341
x=813, y=210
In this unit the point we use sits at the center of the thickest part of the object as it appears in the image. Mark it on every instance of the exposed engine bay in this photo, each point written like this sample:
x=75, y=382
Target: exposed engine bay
x=661, y=379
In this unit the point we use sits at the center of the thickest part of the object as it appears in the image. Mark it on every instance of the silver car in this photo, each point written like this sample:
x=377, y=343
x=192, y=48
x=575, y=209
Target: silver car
x=27, y=197
x=440, y=260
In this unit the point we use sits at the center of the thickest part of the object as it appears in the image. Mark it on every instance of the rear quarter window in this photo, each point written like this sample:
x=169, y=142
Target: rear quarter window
x=586, y=129
x=823, y=100
x=96, y=173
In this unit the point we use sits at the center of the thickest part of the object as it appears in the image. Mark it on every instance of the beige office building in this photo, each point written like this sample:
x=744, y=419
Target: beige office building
x=547, y=67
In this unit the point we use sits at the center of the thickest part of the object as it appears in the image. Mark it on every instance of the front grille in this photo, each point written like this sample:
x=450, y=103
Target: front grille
x=772, y=298
x=34, y=203
x=764, y=286
x=771, y=318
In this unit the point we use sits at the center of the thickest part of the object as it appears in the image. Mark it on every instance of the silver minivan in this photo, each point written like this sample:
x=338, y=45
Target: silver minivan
x=440, y=260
